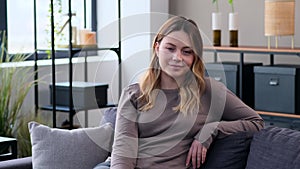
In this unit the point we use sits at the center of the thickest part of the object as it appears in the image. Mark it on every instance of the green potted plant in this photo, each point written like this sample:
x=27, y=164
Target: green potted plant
x=216, y=2
x=23, y=135
x=216, y=24
x=231, y=4
x=233, y=26
x=57, y=14
x=15, y=83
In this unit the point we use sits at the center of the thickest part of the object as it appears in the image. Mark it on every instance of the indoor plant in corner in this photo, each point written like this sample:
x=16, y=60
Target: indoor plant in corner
x=15, y=83
x=216, y=25
x=233, y=26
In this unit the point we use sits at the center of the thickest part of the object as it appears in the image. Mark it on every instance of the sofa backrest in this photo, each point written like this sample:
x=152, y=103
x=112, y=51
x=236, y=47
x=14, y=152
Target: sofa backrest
x=230, y=152
x=275, y=147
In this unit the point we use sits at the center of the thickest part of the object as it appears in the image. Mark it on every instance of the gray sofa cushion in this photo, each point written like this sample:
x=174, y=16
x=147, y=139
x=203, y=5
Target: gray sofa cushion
x=77, y=149
x=275, y=147
x=230, y=152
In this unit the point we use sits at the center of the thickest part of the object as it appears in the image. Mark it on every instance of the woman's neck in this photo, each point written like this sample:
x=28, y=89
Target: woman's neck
x=167, y=82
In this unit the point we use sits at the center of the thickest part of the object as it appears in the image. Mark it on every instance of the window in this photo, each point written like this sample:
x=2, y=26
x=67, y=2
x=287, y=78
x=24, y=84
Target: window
x=20, y=22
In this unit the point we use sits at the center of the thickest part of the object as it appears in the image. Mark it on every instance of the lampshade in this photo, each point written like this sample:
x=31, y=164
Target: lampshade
x=279, y=17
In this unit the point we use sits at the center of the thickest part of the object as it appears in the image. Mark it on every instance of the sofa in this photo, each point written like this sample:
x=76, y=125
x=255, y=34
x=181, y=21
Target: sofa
x=272, y=147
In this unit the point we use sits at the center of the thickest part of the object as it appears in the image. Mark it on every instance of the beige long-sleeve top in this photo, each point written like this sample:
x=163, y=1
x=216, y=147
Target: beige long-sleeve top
x=161, y=137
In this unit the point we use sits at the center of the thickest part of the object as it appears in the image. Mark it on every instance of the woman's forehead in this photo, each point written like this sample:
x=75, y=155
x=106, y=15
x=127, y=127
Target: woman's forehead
x=178, y=37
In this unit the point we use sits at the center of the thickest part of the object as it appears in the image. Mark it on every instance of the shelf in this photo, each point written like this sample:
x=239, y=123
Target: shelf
x=67, y=108
x=279, y=114
x=241, y=50
x=71, y=51
x=10, y=143
x=72, y=112
x=59, y=108
x=253, y=49
x=77, y=46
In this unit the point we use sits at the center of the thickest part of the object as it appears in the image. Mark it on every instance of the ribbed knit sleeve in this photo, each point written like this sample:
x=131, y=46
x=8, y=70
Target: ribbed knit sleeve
x=227, y=114
x=125, y=146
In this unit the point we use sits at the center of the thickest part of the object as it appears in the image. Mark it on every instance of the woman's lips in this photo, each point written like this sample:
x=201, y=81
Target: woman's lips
x=176, y=65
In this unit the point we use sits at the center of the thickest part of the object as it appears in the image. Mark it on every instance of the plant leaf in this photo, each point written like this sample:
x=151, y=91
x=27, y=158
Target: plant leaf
x=15, y=83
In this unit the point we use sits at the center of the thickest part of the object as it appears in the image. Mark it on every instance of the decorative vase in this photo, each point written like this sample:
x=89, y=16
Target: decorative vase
x=216, y=27
x=233, y=29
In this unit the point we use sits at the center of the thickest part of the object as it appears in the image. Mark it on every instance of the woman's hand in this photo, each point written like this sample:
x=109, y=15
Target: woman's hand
x=197, y=154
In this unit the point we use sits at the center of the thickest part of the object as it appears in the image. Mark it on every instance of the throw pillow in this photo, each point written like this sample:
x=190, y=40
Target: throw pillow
x=230, y=152
x=81, y=148
x=275, y=147
x=109, y=116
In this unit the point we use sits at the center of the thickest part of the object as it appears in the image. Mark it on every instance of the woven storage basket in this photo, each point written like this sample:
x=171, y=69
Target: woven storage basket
x=279, y=17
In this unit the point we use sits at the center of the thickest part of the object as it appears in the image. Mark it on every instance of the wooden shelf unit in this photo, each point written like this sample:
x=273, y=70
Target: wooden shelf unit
x=256, y=50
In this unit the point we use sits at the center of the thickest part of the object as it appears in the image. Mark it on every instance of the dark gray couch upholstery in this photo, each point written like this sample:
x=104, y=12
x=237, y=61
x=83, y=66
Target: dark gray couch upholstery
x=270, y=148
x=20, y=163
x=275, y=148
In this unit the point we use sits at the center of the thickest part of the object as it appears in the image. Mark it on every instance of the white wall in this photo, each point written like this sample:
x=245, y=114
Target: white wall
x=251, y=26
x=139, y=21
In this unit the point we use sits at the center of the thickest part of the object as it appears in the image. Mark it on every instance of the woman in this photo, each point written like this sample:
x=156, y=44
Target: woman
x=171, y=117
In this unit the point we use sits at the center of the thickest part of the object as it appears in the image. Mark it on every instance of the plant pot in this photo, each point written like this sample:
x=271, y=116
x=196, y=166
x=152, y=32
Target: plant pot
x=216, y=27
x=233, y=29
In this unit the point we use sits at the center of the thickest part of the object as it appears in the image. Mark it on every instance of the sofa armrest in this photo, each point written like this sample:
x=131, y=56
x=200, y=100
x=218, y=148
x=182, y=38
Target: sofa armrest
x=19, y=163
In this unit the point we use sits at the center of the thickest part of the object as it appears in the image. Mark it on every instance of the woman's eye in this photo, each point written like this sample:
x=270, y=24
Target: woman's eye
x=187, y=52
x=170, y=49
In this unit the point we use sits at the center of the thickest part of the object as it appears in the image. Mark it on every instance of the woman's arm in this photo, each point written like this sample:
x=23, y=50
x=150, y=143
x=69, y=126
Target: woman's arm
x=227, y=114
x=125, y=145
x=238, y=117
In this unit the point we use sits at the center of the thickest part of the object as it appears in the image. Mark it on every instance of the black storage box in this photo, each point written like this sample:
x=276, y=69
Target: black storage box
x=277, y=88
x=86, y=95
x=228, y=73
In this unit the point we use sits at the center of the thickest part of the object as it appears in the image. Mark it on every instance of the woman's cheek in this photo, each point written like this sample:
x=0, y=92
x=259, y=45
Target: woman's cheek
x=189, y=61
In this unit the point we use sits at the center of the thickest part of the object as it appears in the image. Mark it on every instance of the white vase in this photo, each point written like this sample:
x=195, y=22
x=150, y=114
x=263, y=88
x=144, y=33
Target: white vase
x=216, y=27
x=233, y=29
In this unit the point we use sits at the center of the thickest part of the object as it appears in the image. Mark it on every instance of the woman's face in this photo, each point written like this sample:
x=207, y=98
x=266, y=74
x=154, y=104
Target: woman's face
x=175, y=54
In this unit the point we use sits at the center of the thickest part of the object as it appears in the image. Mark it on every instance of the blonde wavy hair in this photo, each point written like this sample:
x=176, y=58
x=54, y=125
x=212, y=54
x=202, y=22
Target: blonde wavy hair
x=193, y=86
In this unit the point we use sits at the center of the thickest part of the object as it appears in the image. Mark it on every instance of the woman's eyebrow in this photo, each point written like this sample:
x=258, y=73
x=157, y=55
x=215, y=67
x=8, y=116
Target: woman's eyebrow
x=185, y=47
x=169, y=43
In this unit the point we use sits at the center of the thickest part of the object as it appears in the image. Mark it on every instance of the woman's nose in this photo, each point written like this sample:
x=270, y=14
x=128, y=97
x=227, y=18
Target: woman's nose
x=177, y=56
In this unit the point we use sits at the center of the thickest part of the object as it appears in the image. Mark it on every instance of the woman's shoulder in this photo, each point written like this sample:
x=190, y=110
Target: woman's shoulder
x=131, y=93
x=209, y=81
x=132, y=88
